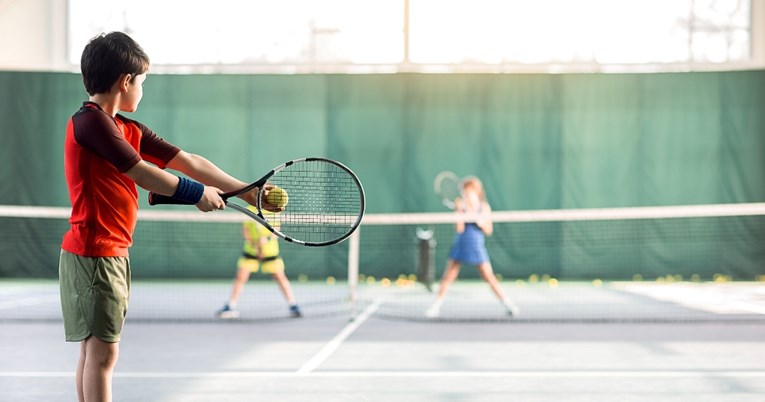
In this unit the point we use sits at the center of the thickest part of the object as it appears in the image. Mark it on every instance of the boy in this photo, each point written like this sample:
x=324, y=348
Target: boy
x=105, y=158
x=260, y=253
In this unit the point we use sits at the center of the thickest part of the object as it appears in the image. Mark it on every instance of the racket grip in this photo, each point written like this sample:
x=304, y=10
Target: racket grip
x=159, y=199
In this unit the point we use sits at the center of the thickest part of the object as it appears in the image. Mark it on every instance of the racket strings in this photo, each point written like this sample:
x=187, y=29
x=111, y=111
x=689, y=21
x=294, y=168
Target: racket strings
x=447, y=186
x=324, y=201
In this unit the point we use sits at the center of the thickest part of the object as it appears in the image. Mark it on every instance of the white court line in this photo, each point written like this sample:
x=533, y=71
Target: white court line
x=335, y=343
x=410, y=374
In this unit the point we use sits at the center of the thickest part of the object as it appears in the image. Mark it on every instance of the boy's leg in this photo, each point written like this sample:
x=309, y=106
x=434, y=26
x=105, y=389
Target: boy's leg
x=284, y=285
x=98, y=367
x=240, y=279
x=244, y=267
x=94, y=301
x=80, y=368
x=276, y=269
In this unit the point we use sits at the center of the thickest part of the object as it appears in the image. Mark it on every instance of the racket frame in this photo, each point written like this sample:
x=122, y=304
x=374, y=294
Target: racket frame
x=438, y=187
x=261, y=183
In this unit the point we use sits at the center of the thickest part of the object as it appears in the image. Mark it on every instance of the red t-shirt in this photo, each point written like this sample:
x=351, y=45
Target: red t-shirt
x=97, y=151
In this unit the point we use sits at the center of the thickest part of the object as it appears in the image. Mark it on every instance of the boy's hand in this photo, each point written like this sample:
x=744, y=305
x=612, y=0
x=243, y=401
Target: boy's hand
x=252, y=198
x=210, y=200
x=264, y=201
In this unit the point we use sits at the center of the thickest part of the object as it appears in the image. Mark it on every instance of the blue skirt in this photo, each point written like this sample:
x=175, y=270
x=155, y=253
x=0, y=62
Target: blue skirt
x=469, y=246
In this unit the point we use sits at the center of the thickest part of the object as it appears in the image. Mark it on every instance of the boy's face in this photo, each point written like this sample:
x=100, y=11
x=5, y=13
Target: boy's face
x=134, y=94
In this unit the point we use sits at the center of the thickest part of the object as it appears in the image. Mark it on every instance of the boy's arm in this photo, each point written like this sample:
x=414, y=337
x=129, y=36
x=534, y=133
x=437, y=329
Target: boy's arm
x=154, y=179
x=202, y=170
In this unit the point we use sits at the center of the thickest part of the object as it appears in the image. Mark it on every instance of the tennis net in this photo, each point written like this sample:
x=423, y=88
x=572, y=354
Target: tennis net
x=668, y=264
x=674, y=263
x=183, y=263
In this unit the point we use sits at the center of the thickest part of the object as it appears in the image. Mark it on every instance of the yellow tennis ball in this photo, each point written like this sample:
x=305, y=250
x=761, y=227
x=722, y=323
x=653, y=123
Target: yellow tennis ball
x=277, y=197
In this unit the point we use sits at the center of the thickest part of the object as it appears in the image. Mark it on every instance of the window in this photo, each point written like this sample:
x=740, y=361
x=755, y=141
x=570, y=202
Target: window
x=582, y=31
x=248, y=31
x=410, y=35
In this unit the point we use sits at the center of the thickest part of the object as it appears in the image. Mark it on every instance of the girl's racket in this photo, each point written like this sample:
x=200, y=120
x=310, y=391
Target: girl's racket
x=447, y=187
x=324, y=201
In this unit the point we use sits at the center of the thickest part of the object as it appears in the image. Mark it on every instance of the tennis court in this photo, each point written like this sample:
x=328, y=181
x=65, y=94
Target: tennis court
x=450, y=200
x=628, y=327
x=378, y=357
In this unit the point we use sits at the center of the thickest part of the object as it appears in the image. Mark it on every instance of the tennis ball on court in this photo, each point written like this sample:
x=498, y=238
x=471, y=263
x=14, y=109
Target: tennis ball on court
x=277, y=197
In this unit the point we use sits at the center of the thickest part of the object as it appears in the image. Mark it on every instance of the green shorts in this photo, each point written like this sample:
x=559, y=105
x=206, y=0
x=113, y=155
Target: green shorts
x=94, y=296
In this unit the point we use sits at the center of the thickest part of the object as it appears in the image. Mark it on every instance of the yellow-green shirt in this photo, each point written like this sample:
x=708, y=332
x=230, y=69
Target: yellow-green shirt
x=257, y=232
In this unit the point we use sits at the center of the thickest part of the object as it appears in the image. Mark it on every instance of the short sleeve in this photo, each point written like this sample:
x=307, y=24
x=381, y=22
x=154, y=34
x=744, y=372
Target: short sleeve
x=97, y=132
x=154, y=148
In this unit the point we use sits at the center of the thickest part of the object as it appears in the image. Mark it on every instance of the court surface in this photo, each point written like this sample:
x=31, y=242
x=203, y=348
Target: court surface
x=379, y=359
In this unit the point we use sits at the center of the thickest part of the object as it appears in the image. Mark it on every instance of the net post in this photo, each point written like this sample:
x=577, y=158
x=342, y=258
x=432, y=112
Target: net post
x=353, y=270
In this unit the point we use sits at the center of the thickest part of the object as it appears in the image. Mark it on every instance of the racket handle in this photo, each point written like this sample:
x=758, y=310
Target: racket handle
x=158, y=199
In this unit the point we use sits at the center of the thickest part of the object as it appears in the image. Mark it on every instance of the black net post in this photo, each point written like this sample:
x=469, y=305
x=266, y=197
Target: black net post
x=426, y=266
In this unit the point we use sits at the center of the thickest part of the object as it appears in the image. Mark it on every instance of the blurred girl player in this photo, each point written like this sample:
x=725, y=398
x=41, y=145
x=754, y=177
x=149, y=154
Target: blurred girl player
x=469, y=246
x=105, y=157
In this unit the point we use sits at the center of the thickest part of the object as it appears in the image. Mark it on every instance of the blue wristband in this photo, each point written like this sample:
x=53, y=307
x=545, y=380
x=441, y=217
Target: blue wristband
x=189, y=191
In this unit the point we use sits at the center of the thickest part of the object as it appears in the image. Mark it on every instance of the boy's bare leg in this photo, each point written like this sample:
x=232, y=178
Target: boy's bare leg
x=284, y=286
x=242, y=275
x=80, y=369
x=98, y=367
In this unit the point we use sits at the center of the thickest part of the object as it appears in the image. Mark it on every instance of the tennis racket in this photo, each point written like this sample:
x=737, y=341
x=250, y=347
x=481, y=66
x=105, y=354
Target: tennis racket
x=325, y=201
x=447, y=186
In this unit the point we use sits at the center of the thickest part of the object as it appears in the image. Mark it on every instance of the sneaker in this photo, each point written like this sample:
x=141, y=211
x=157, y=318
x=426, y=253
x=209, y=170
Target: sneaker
x=228, y=312
x=295, y=311
x=512, y=309
x=434, y=311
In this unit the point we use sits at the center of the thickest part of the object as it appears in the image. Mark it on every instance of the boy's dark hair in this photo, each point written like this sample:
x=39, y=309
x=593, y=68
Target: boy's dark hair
x=106, y=57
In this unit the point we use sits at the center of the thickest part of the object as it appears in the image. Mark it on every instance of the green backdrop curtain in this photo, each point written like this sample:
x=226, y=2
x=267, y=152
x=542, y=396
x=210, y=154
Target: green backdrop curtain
x=537, y=141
